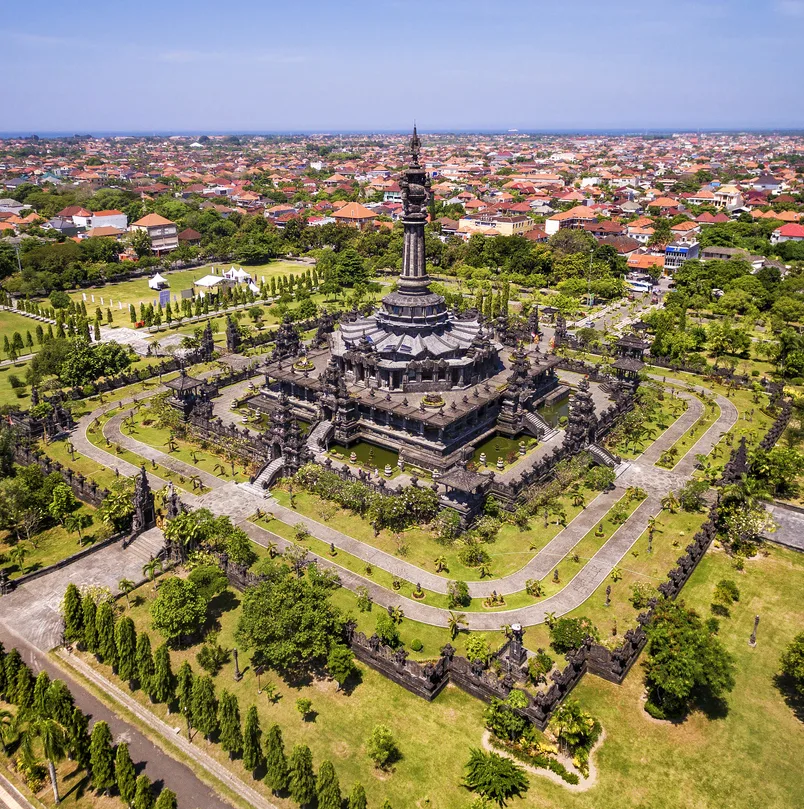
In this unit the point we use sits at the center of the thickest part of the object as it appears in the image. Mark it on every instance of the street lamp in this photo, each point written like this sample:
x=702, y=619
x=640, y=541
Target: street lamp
x=238, y=675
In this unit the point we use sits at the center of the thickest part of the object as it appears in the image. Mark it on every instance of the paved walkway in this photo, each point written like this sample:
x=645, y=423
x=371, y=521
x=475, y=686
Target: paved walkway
x=790, y=530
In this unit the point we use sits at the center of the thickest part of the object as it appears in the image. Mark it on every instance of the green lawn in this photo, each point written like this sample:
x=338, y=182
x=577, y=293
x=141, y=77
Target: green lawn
x=8, y=395
x=49, y=546
x=11, y=322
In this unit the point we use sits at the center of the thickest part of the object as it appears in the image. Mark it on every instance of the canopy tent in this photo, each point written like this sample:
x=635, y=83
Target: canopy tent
x=158, y=282
x=235, y=274
x=254, y=288
x=209, y=281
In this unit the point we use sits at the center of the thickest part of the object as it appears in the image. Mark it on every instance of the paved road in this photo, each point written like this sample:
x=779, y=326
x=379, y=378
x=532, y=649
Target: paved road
x=790, y=522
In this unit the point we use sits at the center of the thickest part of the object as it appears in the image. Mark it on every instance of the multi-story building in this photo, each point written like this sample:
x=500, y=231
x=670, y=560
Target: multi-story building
x=503, y=225
x=575, y=218
x=676, y=253
x=162, y=232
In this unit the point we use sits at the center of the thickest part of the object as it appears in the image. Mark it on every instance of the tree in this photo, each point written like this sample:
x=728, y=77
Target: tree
x=144, y=662
x=231, y=736
x=40, y=695
x=101, y=757
x=683, y=659
x=456, y=621
x=357, y=797
x=126, y=644
x=204, y=706
x=328, y=788
x=276, y=764
x=573, y=727
x=301, y=783
x=126, y=586
x=477, y=648
x=503, y=720
x=143, y=797
x=209, y=581
x=60, y=703
x=387, y=630
x=179, y=610
x=792, y=662
x=166, y=800
x=289, y=621
x=62, y=502
x=163, y=685
x=458, y=594
x=24, y=688
x=494, y=777
x=104, y=624
x=51, y=734
x=381, y=747
x=569, y=633
x=184, y=692
x=79, y=739
x=341, y=663
x=125, y=774
x=252, y=752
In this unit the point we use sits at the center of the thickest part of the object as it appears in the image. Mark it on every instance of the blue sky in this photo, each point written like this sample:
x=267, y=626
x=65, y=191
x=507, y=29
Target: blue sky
x=328, y=65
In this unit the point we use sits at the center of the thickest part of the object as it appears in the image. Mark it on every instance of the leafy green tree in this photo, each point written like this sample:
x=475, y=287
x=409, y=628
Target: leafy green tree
x=60, y=702
x=573, y=727
x=101, y=757
x=381, y=746
x=231, y=736
x=104, y=623
x=89, y=610
x=458, y=594
x=477, y=648
x=163, y=684
x=792, y=662
x=144, y=661
x=179, y=610
x=125, y=774
x=252, y=750
x=205, y=706
x=184, y=692
x=341, y=663
x=79, y=739
x=503, y=720
x=328, y=789
x=24, y=688
x=494, y=777
x=301, y=784
x=143, y=796
x=276, y=763
x=569, y=633
x=41, y=705
x=166, y=800
x=387, y=630
x=125, y=636
x=73, y=614
x=12, y=663
x=357, y=797
x=682, y=659
x=289, y=622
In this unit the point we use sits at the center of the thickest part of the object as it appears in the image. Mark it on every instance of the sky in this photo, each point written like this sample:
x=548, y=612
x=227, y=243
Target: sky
x=376, y=65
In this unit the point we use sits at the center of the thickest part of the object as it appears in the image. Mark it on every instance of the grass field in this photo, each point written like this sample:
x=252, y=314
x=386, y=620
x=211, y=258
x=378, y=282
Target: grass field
x=8, y=395
x=10, y=323
x=137, y=291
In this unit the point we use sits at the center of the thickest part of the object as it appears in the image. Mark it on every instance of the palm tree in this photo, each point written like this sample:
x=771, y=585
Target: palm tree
x=152, y=567
x=54, y=746
x=77, y=522
x=8, y=724
x=550, y=619
x=18, y=554
x=126, y=586
x=670, y=502
x=456, y=621
x=485, y=571
x=397, y=614
x=271, y=548
x=440, y=563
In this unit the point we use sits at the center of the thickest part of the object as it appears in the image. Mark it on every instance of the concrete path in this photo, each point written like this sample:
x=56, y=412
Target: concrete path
x=790, y=530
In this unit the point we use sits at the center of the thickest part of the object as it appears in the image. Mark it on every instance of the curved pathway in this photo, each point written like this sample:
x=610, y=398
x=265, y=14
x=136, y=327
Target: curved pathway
x=227, y=498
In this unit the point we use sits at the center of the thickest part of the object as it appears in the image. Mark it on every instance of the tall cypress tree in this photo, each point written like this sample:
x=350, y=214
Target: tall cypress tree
x=40, y=701
x=73, y=614
x=11, y=666
x=78, y=738
x=125, y=774
x=125, y=639
x=205, y=706
x=3, y=680
x=24, y=688
x=163, y=685
x=252, y=752
x=328, y=789
x=104, y=623
x=90, y=611
x=357, y=797
x=166, y=800
x=61, y=702
x=145, y=663
x=276, y=763
x=184, y=691
x=229, y=721
x=101, y=757
x=143, y=797
x=302, y=778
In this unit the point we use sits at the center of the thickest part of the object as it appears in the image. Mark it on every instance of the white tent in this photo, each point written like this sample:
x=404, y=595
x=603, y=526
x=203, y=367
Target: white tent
x=239, y=275
x=208, y=281
x=157, y=282
x=254, y=288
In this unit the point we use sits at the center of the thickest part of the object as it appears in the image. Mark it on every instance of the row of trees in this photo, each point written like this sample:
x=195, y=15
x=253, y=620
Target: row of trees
x=47, y=723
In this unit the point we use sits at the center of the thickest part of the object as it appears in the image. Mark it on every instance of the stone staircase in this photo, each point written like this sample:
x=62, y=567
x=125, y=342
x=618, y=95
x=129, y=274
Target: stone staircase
x=265, y=477
x=319, y=437
x=147, y=545
x=538, y=426
x=603, y=456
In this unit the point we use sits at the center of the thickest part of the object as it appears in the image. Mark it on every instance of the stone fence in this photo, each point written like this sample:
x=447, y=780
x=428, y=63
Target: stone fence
x=85, y=489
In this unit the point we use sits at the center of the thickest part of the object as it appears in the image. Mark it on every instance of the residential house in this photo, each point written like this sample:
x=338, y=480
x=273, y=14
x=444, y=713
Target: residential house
x=355, y=215
x=190, y=237
x=500, y=225
x=162, y=232
x=109, y=219
x=575, y=218
x=788, y=233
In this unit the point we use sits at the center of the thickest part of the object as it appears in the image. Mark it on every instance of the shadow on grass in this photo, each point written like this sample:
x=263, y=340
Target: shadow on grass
x=792, y=697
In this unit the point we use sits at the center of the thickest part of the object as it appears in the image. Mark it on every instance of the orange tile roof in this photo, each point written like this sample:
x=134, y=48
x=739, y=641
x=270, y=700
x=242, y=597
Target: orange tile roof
x=354, y=211
x=152, y=220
